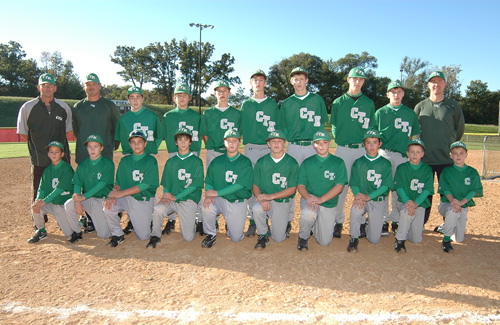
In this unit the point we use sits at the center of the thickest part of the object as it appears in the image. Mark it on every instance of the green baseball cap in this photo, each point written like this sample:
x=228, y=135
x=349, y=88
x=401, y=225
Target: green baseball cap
x=232, y=133
x=321, y=135
x=372, y=133
x=395, y=84
x=357, y=72
x=93, y=138
x=439, y=74
x=92, y=77
x=134, y=90
x=276, y=135
x=222, y=83
x=137, y=133
x=458, y=144
x=183, y=131
x=299, y=70
x=46, y=78
x=55, y=144
x=259, y=73
x=416, y=141
x=182, y=89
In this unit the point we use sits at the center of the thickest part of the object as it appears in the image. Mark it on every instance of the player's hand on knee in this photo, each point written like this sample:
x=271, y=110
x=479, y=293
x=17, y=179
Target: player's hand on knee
x=266, y=205
x=207, y=202
x=109, y=203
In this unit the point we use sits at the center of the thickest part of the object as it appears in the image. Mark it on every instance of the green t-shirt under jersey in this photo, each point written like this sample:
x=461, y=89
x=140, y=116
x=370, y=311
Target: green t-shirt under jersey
x=55, y=184
x=413, y=180
x=459, y=182
x=94, y=178
x=136, y=170
x=179, y=118
x=214, y=123
x=183, y=177
x=258, y=119
x=272, y=177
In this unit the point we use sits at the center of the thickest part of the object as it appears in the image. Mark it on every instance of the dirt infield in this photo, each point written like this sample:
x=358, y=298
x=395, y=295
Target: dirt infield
x=90, y=282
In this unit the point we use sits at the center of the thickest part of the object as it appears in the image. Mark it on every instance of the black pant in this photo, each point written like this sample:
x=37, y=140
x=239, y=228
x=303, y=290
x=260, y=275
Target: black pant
x=436, y=169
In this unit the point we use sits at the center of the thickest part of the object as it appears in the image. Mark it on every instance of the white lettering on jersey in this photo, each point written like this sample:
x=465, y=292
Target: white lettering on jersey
x=55, y=182
x=416, y=186
x=183, y=124
x=402, y=125
x=230, y=177
x=467, y=181
x=265, y=120
x=137, y=176
x=145, y=129
x=278, y=180
x=361, y=116
x=328, y=175
x=371, y=176
x=310, y=116
x=99, y=175
x=182, y=175
x=59, y=118
x=225, y=125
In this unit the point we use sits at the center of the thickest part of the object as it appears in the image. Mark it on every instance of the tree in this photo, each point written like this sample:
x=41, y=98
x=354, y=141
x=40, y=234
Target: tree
x=415, y=74
x=68, y=82
x=349, y=61
x=18, y=76
x=480, y=105
x=136, y=64
x=115, y=92
x=165, y=57
x=453, y=83
x=238, y=97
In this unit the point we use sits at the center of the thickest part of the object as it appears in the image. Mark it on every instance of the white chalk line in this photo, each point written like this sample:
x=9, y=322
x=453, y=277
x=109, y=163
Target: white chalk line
x=193, y=315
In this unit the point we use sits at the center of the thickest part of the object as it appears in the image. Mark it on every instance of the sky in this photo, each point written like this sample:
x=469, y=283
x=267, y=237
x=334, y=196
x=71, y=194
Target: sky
x=259, y=34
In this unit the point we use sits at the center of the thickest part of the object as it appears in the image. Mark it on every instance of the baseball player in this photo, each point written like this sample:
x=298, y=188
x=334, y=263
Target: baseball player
x=352, y=115
x=134, y=191
x=371, y=181
x=274, y=185
x=301, y=115
x=228, y=186
x=216, y=120
x=413, y=182
x=458, y=184
x=92, y=182
x=55, y=189
x=321, y=179
x=397, y=124
x=182, y=182
x=259, y=115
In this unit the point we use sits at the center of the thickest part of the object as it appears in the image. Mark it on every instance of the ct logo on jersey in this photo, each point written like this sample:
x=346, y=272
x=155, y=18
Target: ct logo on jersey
x=265, y=120
x=361, y=117
x=278, y=180
x=372, y=176
x=183, y=176
x=230, y=177
x=55, y=182
x=467, y=181
x=310, y=116
x=190, y=128
x=416, y=186
x=145, y=129
x=402, y=125
x=328, y=175
x=99, y=175
x=225, y=124
x=137, y=176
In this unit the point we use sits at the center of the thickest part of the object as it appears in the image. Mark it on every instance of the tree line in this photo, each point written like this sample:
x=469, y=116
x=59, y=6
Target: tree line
x=165, y=64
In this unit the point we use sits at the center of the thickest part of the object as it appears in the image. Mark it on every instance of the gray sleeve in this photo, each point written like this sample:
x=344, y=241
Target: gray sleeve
x=22, y=117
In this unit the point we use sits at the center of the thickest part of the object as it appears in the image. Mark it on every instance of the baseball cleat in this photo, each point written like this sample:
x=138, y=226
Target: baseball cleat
x=129, y=228
x=337, y=230
x=399, y=246
x=153, y=241
x=353, y=245
x=39, y=235
x=439, y=228
x=362, y=230
x=169, y=227
x=209, y=241
x=446, y=246
x=199, y=228
x=75, y=237
x=89, y=226
x=385, y=230
x=115, y=240
x=252, y=228
x=288, y=229
x=262, y=242
x=394, y=228
x=302, y=245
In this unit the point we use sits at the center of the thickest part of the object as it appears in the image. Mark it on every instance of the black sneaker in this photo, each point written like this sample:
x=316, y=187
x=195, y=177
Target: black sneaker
x=39, y=235
x=89, y=227
x=288, y=229
x=252, y=229
x=302, y=245
x=446, y=246
x=399, y=246
x=209, y=241
x=362, y=230
x=153, y=241
x=75, y=237
x=169, y=227
x=129, y=228
x=353, y=245
x=115, y=240
x=199, y=228
x=262, y=242
x=337, y=230
x=394, y=228
x=385, y=230
x=439, y=228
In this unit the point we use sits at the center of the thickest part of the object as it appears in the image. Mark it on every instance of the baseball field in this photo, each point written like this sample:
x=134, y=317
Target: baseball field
x=179, y=282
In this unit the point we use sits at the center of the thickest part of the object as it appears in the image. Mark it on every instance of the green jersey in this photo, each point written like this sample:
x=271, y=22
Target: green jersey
x=414, y=181
x=144, y=120
x=183, y=177
x=442, y=124
x=319, y=175
x=459, y=182
x=99, y=117
x=224, y=172
x=351, y=118
x=258, y=119
x=94, y=177
x=180, y=118
x=301, y=117
x=368, y=174
x=214, y=123
x=55, y=184
x=272, y=177
x=396, y=125
x=139, y=170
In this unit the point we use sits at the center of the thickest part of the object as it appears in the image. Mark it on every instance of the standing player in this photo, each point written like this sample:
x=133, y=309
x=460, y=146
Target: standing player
x=217, y=120
x=259, y=115
x=352, y=115
x=134, y=191
x=274, y=185
x=397, y=124
x=458, y=184
x=182, y=182
x=228, y=187
x=371, y=181
x=301, y=115
x=321, y=179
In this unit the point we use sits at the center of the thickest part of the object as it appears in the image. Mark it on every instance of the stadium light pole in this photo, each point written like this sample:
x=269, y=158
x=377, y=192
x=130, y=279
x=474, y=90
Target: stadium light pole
x=401, y=75
x=201, y=27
